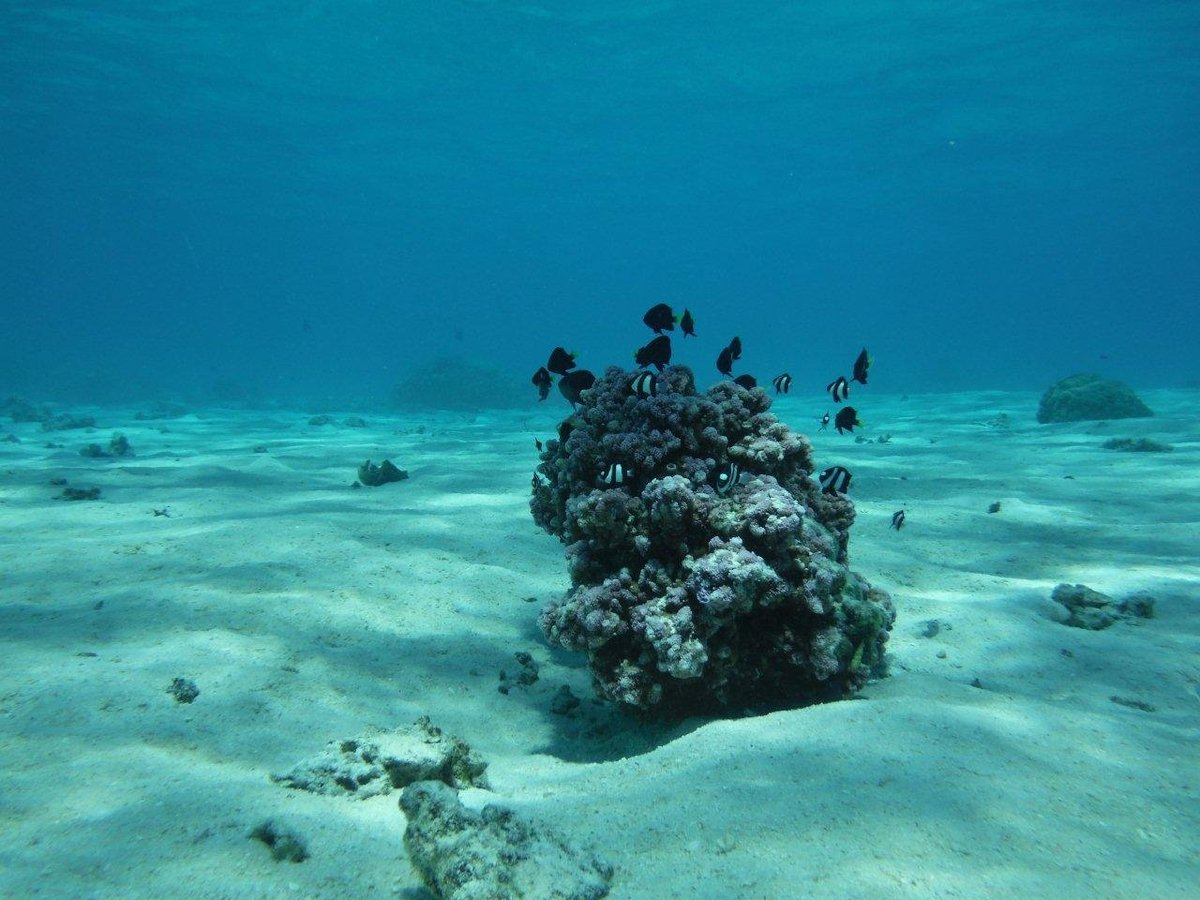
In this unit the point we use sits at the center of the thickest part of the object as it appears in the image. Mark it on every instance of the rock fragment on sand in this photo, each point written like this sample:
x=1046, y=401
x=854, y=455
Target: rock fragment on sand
x=1094, y=611
x=1137, y=445
x=1081, y=397
x=184, y=690
x=375, y=475
x=370, y=766
x=283, y=842
x=494, y=853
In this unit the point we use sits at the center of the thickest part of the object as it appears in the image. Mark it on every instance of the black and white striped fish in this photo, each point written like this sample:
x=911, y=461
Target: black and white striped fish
x=782, y=383
x=644, y=385
x=835, y=480
x=839, y=389
x=898, y=519
x=726, y=477
x=616, y=475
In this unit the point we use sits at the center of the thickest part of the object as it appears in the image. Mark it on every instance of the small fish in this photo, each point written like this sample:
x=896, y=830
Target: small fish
x=644, y=385
x=660, y=318
x=835, y=480
x=656, y=353
x=861, y=365
x=560, y=361
x=542, y=381
x=725, y=362
x=839, y=389
x=537, y=443
x=735, y=347
x=846, y=419
x=565, y=427
x=898, y=519
x=783, y=383
x=687, y=324
x=746, y=381
x=573, y=383
x=726, y=477
x=615, y=475
x=824, y=422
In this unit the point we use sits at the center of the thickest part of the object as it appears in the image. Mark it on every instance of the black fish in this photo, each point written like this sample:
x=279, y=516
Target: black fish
x=735, y=347
x=898, y=519
x=542, y=381
x=561, y=361
x=572, y=383
x=824, y=422
x=537, y=443
x=565, y=427
x=660, y=318
x=615, y=475
x=656, y=353
x=846, y=418
x=726, y=477
x=839, y=389
x=861, y=365
x=644, y=385
x=687, y=324
x=725, y=362
x=835, y=480
x=783, y=383
x=746, y=381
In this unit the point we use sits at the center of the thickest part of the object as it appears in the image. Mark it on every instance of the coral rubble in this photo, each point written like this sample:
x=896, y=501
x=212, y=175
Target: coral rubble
x=707, y=566
x=1095, y=611
x=463, y=854
x=369, y=766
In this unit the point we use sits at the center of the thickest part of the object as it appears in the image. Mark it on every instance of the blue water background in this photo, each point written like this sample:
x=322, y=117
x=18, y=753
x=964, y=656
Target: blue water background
x=306, y=199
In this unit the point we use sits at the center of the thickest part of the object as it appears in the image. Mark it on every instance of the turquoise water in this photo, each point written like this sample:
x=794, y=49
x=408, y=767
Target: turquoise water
x=305, y=200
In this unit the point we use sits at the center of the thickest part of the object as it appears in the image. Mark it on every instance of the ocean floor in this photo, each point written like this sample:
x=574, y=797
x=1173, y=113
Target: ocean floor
x=1006, y=754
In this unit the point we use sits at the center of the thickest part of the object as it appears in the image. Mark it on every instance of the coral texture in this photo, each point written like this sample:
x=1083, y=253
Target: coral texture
x=1082, y=397
x=493, y=854
x=711, y=571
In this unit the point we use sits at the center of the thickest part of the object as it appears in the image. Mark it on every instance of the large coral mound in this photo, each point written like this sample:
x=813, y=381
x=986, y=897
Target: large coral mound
x=708, y=570
x=1080, y=397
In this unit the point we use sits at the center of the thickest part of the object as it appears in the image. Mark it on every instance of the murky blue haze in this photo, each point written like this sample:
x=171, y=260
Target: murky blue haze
x=303, y=200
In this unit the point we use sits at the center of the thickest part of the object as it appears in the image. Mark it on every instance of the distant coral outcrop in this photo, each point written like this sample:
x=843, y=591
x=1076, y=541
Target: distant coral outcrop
x=1082, y=397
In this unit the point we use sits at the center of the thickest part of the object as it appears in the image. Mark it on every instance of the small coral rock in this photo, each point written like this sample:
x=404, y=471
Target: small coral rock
x=1095, y=611
x=370, y=766
x=1082, y=397
x=466, y=855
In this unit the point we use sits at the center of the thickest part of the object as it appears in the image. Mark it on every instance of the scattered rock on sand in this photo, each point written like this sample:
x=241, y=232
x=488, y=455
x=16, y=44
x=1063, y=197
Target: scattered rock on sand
x=464, y=854
x=1137, y=445
x=370, y=766
x=184, y=690
x=1081, y=397
x=1094, y=611
x=283, y=842
x=374, y=475
x=73, y=493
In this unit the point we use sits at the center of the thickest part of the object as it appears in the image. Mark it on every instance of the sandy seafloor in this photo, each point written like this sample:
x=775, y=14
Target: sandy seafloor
x=306, y=611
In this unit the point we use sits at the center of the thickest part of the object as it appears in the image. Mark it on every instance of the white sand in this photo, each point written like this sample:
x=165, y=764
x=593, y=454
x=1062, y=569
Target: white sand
x=306, y=611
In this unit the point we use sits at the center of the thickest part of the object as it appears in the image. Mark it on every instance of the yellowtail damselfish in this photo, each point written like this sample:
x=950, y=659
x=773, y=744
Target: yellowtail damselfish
x=656, y=353
x=660, y=318
x=846, y=419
